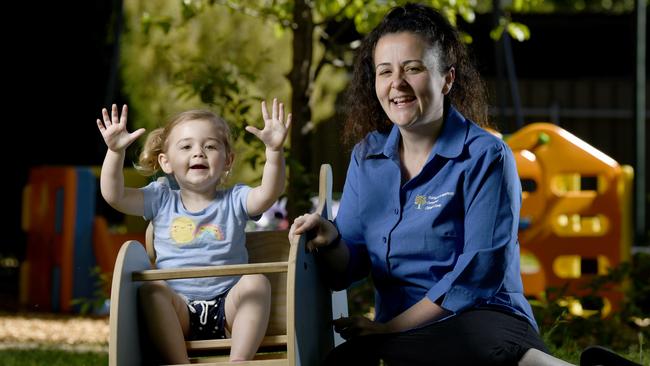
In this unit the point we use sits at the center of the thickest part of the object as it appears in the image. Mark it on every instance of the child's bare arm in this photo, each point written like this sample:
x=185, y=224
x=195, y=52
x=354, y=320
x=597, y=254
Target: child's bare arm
x=273, y=177
x=113, y=128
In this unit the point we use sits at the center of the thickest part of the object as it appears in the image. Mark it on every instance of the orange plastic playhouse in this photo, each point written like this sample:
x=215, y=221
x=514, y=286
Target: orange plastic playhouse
x=575, y=212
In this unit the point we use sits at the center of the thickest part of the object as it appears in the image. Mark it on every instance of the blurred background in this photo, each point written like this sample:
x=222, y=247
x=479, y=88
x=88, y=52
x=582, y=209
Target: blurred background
x=573, y=64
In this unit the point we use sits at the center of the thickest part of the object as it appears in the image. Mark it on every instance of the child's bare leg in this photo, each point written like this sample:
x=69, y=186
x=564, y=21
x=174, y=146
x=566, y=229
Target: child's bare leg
x=247, y=315
x=167, y=320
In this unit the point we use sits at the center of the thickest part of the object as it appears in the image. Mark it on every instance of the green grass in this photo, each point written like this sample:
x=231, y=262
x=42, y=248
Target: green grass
x=567, y=334
x=51, y=357
x=570, y=352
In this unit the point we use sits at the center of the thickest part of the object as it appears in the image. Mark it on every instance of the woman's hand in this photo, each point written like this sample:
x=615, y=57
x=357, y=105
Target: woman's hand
x=355, y=326
x=320, y=232
x=275, y=130
x=114, y=131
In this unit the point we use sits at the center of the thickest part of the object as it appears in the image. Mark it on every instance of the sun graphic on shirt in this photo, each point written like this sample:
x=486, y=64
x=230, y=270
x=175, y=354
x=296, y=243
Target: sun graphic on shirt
x=182, y=230
x=211, y=229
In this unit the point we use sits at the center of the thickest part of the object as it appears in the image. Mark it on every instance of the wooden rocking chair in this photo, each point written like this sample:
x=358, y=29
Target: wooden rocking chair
x=302, y=307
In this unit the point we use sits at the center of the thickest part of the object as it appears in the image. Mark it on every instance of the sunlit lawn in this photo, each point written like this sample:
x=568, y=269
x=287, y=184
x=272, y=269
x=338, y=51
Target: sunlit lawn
x=52, y=339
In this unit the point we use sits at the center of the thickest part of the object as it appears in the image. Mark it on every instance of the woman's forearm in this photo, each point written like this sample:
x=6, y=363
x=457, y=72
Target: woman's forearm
x=423, y=312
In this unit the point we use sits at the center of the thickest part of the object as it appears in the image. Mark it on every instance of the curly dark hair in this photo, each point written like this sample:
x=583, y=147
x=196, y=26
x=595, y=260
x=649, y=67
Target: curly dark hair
x=363, y=110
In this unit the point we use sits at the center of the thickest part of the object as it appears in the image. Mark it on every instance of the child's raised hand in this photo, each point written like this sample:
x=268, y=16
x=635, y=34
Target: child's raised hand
x=113, y=129
x=275, y=130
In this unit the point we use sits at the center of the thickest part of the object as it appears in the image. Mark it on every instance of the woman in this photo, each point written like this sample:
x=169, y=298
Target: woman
x=430, y=209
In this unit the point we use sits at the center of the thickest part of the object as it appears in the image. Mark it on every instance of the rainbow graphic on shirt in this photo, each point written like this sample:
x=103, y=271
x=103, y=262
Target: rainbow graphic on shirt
x=215, y=230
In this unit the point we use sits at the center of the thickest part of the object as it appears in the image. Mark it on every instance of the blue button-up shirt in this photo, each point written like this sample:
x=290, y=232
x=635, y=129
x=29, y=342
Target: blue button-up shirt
x=449, y=233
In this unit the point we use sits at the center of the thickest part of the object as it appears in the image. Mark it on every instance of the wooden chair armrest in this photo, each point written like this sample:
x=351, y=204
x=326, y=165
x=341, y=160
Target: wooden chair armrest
x=209, y=271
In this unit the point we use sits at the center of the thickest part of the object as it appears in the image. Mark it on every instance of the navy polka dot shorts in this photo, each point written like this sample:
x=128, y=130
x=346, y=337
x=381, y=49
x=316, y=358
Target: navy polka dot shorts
x=208, y=318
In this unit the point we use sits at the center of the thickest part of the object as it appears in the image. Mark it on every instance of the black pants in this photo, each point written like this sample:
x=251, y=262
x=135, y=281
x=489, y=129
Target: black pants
x=475, y=337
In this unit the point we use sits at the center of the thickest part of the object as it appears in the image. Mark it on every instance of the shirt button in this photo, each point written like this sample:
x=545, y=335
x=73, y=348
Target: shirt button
x=384, y=239
x=396, y=211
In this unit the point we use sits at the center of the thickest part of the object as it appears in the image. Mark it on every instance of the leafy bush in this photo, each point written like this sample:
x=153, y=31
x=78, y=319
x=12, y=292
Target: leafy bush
x=624, y=331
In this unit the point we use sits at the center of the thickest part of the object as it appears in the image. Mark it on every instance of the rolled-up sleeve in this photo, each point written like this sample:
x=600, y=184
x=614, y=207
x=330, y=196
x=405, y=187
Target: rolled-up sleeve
x=492, y=200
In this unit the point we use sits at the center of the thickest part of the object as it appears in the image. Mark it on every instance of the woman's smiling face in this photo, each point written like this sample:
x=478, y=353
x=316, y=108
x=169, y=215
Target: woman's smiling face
x=408, y=81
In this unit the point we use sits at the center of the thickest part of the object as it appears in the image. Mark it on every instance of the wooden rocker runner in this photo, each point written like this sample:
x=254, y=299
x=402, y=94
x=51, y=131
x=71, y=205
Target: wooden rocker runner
x=299, y=331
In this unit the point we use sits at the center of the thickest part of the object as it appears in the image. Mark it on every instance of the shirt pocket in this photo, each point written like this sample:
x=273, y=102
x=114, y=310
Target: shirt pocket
x=441, y=244
x=431, y=247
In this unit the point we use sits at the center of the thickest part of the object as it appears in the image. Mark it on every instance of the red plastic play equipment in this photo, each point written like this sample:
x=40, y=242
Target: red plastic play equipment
x=65, y=237
x=58, y=207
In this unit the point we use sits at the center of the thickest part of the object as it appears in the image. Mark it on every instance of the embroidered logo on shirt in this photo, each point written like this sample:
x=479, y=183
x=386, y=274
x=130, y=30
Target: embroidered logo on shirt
x=430, y=202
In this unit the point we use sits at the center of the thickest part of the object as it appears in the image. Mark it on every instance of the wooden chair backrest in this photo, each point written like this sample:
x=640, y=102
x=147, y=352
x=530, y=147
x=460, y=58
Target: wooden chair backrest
x=272, y=246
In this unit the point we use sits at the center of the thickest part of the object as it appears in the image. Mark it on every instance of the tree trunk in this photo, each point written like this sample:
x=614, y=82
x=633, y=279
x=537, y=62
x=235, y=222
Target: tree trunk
x=301, y=82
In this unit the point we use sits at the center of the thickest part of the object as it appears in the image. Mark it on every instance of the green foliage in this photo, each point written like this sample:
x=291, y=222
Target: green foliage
x=517, y=31
x=183, y=55
x=367, y=16
x=573, y=6
x=101, y=293
x=563, y=331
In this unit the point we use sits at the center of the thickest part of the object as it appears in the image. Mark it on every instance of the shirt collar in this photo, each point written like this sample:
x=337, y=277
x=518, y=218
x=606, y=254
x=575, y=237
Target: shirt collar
x=450, y=143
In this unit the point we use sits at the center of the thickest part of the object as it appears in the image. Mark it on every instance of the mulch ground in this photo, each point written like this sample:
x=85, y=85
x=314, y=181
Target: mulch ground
x=36, y=330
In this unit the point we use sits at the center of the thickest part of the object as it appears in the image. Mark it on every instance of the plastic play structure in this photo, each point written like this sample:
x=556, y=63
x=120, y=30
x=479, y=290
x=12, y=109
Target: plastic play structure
x=575, y=212
x=58, y=209
x=302, y=307
x=65, y=237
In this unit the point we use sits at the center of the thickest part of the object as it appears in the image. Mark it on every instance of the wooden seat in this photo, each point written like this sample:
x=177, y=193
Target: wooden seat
x=299, y=331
